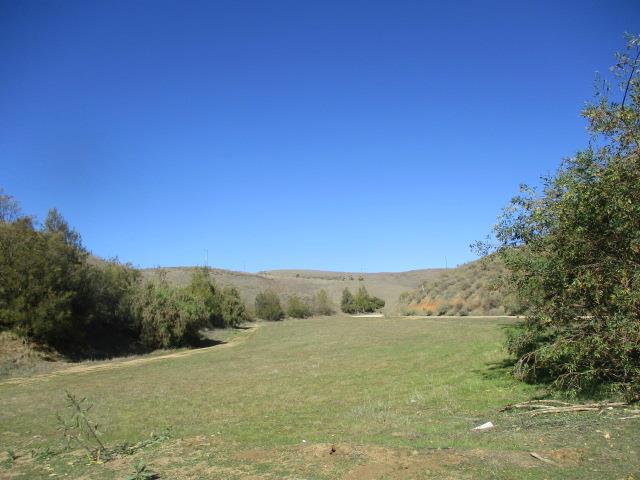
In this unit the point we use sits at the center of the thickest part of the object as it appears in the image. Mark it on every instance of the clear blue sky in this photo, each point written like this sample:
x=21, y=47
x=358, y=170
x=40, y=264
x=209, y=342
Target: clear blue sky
x=347, y=135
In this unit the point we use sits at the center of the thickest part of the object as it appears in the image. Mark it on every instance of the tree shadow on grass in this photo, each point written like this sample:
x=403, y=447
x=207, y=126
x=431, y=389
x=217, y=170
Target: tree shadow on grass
x=124, y=344
x=204, y=342
x=497, y=370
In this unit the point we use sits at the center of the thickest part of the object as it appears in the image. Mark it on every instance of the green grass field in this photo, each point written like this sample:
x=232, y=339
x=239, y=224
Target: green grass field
x=322, y=398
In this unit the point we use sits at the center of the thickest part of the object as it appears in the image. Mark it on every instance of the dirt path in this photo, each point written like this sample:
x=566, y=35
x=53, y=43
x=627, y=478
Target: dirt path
x=457, y=317
x=112, y=365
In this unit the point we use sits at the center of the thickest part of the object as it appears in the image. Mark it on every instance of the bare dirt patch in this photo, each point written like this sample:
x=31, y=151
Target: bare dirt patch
x=369, y=462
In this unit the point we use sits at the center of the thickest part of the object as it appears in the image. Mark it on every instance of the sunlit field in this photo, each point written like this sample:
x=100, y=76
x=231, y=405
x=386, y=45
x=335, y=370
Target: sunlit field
x=321, y=398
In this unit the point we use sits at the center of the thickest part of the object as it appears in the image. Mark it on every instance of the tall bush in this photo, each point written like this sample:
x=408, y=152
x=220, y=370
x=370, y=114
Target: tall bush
x=573, y=251
x=322, y=303
x=167, y=316
x=268, y=306
x=232, y=308
x=42, y=278
x=298, y=308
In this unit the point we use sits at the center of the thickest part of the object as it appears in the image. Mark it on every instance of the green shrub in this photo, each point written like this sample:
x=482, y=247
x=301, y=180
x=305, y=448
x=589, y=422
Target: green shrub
x=224, y=305
x=572, y=250
x=201, y=286
x=268, y=306
x=298, y=307
x=443, y=309
x=41, y=280
x=362, y=302
x=322, y=304
x=346, y=304
x=52, y=293
x=168, y=316
x=232, y=308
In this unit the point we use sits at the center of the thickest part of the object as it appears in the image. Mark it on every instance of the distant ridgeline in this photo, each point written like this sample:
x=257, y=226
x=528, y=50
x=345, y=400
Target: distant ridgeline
x=475, y=288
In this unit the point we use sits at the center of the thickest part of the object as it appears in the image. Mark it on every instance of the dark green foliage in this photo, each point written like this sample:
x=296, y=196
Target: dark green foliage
x=298, y=307
x=361, y=302
x=322, y=304
x=56, y=224
x=232, y=308
x=573, y=251
x=346, y=304
x=203, y=288
x=106, y=302
x=268, y=306
x=52, y=293
x=224, y=306
x=168, y=316
x=42, y=279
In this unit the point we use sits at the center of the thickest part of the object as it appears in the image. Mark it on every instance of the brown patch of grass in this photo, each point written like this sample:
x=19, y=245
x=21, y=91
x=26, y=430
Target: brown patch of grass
x=19, y=356
x=368, y=462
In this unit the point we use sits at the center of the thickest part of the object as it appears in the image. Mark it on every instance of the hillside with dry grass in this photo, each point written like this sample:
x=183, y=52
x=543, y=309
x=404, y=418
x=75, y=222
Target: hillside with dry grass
x=475, y=288
x=470, y=289
x=306, y=283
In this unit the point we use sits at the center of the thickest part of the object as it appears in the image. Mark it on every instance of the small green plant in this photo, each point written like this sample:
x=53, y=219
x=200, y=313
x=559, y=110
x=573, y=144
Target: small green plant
x=129, y=449
x=43, y=453
x=141, y=472
x=10, y=460
x=78, y=428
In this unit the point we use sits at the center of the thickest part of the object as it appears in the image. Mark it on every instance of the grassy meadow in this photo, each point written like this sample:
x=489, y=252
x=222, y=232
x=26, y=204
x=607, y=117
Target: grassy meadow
x=321, y=398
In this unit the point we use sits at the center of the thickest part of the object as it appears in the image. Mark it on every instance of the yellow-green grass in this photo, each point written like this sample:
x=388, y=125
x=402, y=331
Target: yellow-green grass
x=394, y=398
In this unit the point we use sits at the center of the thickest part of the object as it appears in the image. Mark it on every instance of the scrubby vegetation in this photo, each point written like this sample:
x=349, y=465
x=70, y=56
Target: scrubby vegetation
x=298, y=307
x=322, y=304
x=573, y=251
x=476, y=288
x=303, y=307
x=224, y=306
x=361, y=302
x=168, y=316
x=51, y=293
x=268, y=306
x=54, y=293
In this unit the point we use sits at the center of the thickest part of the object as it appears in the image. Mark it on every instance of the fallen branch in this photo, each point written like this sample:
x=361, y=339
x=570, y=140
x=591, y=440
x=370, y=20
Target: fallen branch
x=575, y=408
x=531, y=404
x=542, y=459
x=541, y=407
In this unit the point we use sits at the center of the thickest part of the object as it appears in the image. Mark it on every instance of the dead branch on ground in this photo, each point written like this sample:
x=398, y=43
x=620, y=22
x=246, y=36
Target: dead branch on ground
x=541, y=407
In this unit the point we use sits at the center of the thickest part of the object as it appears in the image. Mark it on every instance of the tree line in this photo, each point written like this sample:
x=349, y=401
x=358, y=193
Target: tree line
x=53, y=292
x=361, y=302
x=269, y=307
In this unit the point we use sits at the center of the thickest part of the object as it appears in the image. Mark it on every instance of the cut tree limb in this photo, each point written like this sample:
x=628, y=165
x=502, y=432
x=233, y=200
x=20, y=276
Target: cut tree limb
x=541, y=407
x=542, y=459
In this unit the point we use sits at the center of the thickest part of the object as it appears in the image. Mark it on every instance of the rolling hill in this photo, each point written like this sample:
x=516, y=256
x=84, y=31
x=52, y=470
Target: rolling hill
x=386, y=285
x=474, y=288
